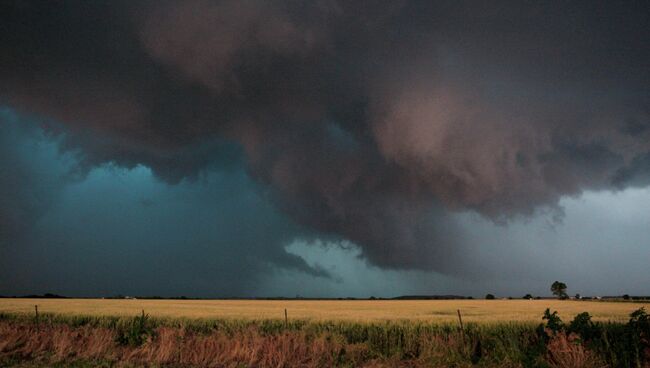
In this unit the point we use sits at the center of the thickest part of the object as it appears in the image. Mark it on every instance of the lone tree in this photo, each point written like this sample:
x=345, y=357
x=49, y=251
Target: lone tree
x=559, y=290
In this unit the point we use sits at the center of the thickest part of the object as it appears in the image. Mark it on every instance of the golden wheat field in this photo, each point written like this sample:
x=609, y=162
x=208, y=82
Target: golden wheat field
x=482, y=311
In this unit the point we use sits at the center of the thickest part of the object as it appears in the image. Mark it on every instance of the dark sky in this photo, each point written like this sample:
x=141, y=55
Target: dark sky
x=324, y=148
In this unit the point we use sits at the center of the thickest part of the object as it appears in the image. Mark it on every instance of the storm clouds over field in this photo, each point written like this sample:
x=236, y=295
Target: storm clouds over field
x=244, y=148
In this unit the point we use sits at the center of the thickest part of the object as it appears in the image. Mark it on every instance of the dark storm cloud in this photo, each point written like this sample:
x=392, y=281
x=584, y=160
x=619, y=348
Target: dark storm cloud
x=366, y=120
x=636, y=174
x=119, y=231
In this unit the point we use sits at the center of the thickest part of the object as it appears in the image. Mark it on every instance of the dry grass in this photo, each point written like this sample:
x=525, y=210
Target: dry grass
x=568, y=352
x=480, y=311
x=103, y=341
x=52, y=344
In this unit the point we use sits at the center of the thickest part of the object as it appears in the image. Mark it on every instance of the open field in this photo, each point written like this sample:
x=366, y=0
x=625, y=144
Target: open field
x=443, y=311
x=363, y=333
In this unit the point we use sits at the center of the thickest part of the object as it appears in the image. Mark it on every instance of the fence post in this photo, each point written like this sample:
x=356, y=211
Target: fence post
x=286, y=320
x=462, y=330
x=36, y=313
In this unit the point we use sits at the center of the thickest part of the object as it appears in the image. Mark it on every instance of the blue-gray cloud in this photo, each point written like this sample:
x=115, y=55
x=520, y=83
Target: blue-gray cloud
x=115, y=230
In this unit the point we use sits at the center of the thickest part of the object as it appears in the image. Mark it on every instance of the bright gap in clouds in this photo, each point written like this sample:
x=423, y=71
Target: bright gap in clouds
x=600, y=247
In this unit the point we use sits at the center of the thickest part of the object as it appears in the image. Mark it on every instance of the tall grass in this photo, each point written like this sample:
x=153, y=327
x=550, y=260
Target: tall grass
x=143, y=340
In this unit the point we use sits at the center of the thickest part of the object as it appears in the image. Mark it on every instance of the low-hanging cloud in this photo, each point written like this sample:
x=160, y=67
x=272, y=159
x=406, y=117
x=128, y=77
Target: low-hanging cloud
x=369, y=121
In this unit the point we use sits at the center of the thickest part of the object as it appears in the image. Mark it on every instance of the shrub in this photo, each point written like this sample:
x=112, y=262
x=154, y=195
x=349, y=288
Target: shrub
x=553, y=321
x=585, y=327
x=136, y=332
x=639, y=328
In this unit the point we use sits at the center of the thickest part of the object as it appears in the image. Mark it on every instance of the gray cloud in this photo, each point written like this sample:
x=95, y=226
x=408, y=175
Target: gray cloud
x=369, y=121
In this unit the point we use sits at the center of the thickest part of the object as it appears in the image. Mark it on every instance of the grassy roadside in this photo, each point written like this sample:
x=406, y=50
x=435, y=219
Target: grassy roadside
x=82, y=341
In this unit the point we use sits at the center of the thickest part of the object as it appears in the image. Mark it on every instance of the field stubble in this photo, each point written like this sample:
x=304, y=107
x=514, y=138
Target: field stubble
x=441, y=311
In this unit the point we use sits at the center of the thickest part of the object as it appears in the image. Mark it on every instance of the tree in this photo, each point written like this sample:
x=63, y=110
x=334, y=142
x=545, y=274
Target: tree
x=489, y=297
x=528, y=296
x=559, y=289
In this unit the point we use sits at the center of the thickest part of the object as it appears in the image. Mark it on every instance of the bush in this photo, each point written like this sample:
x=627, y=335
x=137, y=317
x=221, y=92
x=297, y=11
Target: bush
x=618, y=345
x=639, y=328
x=553, y=321
x=137, y=332
x=583, y=326
x=489, y=297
